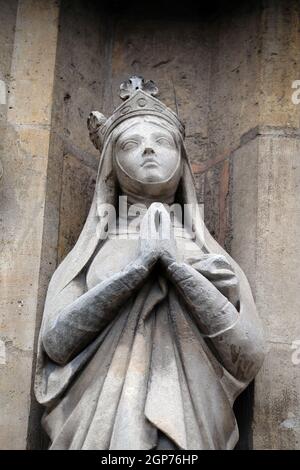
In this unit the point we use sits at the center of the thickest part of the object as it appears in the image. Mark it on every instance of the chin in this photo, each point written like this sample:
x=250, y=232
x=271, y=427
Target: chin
x=152, y=175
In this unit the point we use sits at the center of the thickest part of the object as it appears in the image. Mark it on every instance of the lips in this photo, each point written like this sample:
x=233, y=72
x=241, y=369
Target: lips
x=149, y=162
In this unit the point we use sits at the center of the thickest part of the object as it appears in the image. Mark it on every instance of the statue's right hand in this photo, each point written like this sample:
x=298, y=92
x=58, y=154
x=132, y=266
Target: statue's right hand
x=149, y=250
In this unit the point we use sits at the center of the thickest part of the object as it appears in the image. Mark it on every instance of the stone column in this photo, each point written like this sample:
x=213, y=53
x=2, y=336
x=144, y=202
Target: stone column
x=24, y=154
x=266, y=231
x=251, y=195
x=266, y=225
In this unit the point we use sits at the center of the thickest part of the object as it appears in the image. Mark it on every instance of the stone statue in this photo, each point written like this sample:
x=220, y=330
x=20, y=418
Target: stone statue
x=150, y=330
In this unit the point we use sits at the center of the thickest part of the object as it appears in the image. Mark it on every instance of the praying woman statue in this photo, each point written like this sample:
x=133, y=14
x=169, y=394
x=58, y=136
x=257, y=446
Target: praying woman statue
x=149, y=331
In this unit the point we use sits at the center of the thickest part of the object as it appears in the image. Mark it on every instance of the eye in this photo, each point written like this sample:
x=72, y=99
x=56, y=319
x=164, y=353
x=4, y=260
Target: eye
x=164, y=141
x=129, y=144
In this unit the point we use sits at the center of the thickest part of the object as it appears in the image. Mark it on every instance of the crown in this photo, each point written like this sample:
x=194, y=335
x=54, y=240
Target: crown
x=139, y=98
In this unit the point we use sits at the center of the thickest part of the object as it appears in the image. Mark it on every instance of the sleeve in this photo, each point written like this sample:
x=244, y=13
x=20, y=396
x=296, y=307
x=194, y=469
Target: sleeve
x=75, y=325
x=210, y=289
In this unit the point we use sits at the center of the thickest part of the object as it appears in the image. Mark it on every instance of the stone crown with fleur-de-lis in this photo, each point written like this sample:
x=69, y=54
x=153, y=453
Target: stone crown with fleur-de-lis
x=134, y=83
x=139, y=98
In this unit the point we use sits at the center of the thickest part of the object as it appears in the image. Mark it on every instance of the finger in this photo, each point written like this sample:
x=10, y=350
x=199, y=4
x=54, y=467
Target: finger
x=149, y=229
x=154, y=212
x=166, y=227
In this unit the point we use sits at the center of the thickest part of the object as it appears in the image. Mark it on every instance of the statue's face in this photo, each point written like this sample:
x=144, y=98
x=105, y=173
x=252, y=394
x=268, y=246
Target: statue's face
x=147, y=152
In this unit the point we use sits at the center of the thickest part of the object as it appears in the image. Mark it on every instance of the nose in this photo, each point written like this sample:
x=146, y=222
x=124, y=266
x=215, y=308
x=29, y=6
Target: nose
x=148, y=151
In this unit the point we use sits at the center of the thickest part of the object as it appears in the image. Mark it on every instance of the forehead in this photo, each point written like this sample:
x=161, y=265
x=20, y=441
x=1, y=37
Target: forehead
x=145, y=127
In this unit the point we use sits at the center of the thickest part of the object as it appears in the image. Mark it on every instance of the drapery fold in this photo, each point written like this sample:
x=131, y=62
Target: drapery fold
x=150, y=370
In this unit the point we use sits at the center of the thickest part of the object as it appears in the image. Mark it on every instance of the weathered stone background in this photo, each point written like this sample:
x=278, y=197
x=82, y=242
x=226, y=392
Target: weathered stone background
x=228, y=71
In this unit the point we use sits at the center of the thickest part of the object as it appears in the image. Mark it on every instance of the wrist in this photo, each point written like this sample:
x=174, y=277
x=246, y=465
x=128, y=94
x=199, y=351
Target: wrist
x=146, y=260
x=167, y=259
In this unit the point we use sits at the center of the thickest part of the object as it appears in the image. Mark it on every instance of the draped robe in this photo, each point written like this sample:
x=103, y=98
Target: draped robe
x=155, y=366
x=158, y=361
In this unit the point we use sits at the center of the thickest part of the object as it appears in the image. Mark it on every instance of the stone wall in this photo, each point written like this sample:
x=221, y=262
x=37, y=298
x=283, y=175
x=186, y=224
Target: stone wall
x=80, y=76
x=254, y=177
x=266, y=224
x=25, y=136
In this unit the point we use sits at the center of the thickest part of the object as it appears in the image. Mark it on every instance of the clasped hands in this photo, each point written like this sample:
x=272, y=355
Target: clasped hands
x=157, y=239
x=157, y=243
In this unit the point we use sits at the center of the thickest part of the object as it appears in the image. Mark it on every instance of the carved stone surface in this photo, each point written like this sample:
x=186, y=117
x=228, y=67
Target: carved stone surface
x=150, y=330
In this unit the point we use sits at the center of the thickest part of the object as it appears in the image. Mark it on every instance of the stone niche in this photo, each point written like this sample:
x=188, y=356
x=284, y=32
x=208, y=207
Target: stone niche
x=227, y=69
